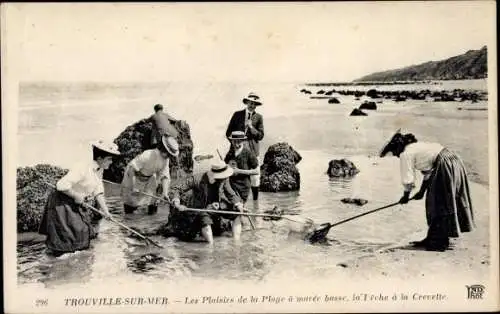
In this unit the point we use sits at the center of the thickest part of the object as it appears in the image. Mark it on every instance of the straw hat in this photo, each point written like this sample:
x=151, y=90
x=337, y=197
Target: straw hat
x=237, y=135
x=170, y=145
x=220, y=170
x=252, y=98
x=110, y=148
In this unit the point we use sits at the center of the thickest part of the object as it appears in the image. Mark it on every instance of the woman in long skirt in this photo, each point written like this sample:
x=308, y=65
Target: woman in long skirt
x=144, y=173
x=67, y=223
x=448, y=203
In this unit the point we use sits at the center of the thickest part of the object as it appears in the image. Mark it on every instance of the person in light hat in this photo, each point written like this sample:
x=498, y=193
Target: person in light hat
x=68, y=225
x=211, y=190
x=244, y=164
x=448, y=202
x=251, y=124
x=145, y=173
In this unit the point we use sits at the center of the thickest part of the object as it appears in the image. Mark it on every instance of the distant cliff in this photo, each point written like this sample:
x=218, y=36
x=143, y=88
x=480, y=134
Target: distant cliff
x=470, y=65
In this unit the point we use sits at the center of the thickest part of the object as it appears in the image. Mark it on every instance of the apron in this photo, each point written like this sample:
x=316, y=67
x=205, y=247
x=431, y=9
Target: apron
x=146, y=184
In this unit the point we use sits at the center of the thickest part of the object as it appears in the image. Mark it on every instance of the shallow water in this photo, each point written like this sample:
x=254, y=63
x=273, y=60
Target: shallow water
x=318, y=130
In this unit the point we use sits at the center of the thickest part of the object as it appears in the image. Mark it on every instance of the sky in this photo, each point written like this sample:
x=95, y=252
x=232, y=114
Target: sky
x=236, y=41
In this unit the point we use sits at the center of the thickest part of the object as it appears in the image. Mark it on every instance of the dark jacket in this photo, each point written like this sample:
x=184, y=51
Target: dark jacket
x=246, y=160
x=205, y=193
x=237, y=123
x=163, y=124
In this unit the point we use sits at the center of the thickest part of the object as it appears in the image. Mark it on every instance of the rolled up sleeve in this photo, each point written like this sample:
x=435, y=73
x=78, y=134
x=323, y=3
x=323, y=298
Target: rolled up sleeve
x=73, y=177
x=138, y=162
x=99, y=188
x=407, y=169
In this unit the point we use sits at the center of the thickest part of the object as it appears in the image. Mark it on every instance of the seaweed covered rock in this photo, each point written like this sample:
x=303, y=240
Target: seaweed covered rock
x=279, y=171
x=368, y=105
x=356, y=201
x=32, y=193
x=372, y=93
x=341, y=168
x=136, y=138
x=357, y=112
x=144, y=262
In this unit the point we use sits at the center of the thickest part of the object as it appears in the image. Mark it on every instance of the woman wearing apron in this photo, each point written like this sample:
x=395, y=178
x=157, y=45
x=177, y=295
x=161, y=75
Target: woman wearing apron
x=145, y=173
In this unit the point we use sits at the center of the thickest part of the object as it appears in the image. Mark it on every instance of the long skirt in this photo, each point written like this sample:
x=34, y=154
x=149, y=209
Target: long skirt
x=146, y=185
x=448, y=203
x=69, y=227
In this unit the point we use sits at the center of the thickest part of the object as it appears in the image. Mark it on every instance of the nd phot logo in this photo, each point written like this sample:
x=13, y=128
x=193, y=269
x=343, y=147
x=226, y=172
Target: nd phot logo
x=475, y=292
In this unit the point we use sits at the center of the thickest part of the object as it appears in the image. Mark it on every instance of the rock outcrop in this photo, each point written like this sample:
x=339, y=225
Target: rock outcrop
x=357, y=112
x=32, y=193
x=341, y=168
x=403, y=95
x=136, y=138
x=368, y=105
x=356, y=201
x=333, y=100
x=279, y=171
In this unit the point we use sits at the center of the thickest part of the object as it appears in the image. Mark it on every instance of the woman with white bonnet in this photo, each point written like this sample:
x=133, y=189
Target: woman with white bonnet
x=67, y=223
x=145, y=173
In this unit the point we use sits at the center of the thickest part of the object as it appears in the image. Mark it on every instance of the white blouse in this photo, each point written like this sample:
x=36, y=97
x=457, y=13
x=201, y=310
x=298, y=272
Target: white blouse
x=84, y=178
x=418, y=156
x=150, y=163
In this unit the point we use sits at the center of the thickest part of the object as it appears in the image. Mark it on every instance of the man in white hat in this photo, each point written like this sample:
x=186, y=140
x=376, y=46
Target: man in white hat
x=211, y=190
x=68, y=225
x=145, y=172
x=252, y=124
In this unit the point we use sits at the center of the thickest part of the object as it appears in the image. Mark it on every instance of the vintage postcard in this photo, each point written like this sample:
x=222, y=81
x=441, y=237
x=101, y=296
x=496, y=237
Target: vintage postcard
x=250, y=157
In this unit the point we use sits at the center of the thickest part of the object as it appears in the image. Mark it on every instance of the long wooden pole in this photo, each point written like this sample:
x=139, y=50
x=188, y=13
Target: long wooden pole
x=116, y=222
x=203, y=210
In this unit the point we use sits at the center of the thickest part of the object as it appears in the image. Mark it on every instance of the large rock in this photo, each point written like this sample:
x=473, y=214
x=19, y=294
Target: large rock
x=357, y=112
x=333, y=100
x=341, y=168
x=32, y=193
x=368, y=105
x=372, y=93
x=136, y=138
x=279, y=171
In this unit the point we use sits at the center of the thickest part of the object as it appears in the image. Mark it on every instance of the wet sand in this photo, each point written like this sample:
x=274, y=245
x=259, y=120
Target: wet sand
x=468, y=258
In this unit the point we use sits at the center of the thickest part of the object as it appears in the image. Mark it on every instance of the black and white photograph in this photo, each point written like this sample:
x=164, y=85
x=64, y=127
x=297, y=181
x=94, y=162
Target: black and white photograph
x=250, y=157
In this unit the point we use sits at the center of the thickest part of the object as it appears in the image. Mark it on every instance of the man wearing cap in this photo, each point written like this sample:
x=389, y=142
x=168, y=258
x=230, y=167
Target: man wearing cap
x=145, y=172
x=448, y=202
x=163, y=124
x=251, y=124
x=244, y=164
x=68, y=225
x=211, y=190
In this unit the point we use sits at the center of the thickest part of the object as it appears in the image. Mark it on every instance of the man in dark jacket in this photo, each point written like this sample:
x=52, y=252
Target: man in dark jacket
x=252, y=124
